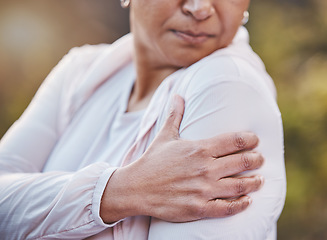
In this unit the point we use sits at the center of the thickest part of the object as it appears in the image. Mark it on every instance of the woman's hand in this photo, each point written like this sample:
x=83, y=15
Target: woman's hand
x=178, y=180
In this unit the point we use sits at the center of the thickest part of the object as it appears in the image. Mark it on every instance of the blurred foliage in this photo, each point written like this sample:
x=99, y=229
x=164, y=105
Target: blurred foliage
x=291, y=38
x=289, y=35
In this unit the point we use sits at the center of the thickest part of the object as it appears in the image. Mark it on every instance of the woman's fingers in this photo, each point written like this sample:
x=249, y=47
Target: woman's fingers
x=235, y=187
x=229, y=143
x=223, y=208
x=237, y=163
x=171, y=126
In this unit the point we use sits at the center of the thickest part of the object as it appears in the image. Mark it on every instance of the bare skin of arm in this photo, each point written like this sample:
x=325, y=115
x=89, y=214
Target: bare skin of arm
x=178, y=180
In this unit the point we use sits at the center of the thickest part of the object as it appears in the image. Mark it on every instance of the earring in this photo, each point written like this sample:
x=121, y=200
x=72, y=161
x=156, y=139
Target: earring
x=125, y=3
x=246, y=16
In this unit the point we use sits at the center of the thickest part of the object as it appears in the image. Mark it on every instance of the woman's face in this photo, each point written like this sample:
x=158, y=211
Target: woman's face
x=180, y=32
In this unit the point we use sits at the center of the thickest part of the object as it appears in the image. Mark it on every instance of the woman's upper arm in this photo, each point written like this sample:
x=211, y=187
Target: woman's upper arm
x=32, y=202
x=29, y=141
x=229, y=105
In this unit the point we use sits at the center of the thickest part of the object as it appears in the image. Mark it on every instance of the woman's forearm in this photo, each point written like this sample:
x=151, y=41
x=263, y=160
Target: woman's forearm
x=57, y=205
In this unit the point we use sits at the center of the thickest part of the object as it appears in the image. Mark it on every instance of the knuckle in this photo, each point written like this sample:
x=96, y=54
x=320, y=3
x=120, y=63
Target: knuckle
x=201, y=210
x=240, y=186
x=231, y=208
x=207, y=191
x=172, y=114
x=197, y=209
x=200, y=150
x=201, y=190
x=239, y=141
x=195, y=151
x=246, y=162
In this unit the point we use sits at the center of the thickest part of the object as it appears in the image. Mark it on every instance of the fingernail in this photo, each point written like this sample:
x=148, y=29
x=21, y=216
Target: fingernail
x=250, y=200
x=262, y=180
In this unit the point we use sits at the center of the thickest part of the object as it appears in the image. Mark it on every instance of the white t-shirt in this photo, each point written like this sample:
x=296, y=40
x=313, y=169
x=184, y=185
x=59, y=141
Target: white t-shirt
x=56, y=159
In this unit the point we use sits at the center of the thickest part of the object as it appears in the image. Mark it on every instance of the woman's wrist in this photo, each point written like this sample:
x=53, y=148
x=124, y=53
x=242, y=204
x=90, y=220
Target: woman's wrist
x=119, y=199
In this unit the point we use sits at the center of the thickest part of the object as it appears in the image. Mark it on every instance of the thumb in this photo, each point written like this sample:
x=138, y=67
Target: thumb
x=173, y=122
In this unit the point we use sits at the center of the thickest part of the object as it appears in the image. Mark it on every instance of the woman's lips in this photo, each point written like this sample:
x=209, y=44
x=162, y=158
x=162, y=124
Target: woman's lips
x=191, y=37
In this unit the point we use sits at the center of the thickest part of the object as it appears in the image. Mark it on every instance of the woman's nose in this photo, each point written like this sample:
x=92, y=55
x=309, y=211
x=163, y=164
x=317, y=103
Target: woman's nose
x=199, y=9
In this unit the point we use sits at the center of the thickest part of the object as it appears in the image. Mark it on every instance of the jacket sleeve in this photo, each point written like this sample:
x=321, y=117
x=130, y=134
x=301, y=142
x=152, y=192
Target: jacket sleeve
x=52, y=205
x=229, y=104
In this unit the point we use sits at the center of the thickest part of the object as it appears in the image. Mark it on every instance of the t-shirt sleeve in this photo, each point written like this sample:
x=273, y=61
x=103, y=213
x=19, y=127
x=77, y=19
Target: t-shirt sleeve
x=49, y=205
x=229, y=104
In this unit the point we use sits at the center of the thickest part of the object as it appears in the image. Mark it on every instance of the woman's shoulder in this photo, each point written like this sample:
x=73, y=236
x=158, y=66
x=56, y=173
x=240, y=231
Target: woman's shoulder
x=97, y=61
x=86, y=54
x=231, y=65
x=76, y=62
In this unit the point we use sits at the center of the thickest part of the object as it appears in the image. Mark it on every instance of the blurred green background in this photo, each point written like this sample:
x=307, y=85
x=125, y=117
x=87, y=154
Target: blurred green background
x=289, y=35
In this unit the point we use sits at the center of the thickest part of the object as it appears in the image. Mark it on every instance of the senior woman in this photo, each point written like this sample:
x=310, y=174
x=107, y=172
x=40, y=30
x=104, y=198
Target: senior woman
x=87, y=159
